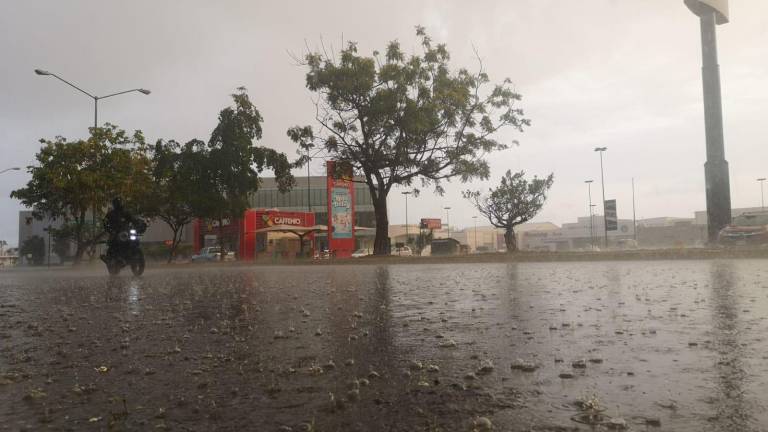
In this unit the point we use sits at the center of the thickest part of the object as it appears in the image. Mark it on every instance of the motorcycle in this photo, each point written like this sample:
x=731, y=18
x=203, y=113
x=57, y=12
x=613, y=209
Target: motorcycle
x=125, y=252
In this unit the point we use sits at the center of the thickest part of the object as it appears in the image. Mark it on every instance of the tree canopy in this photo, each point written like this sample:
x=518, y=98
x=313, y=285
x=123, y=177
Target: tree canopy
x=75, y=178
x=400, y=119
x=515, y=201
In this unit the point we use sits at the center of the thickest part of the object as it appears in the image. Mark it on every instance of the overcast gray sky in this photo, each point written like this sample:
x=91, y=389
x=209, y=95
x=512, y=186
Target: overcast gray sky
x=618, y=73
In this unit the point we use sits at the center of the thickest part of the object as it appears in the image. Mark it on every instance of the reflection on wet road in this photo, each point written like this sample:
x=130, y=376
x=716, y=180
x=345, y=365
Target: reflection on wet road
x=553, y=346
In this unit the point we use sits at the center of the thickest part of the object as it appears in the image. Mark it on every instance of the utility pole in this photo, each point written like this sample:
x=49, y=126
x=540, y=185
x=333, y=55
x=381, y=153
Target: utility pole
x=448, y=220
x=717, y=177
x=475, y=218
x=407, y=235
x=591, y=225
x=634, y=218
x=762, y=196
x=602, y=181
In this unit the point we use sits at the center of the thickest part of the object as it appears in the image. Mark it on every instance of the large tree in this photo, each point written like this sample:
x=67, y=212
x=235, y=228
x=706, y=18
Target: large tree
x=399, y=118
x=232, y=164
x=75, y=180
x=175, y=173
x=34, y=249
x=514, y=202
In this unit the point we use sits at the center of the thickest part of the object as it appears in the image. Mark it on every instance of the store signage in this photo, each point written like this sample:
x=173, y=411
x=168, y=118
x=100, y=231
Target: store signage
x=431, y=224
x=287, y=220
x=611, y=217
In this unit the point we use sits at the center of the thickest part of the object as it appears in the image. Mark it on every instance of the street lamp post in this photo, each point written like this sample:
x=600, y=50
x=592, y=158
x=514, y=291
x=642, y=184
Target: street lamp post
x=602, y=182
x=634, y=217
x=95, y=98
x=591, y=225
x=448, y=220
x=717, y=177
x=407, y=234
x=762, y=196
x=475, y=218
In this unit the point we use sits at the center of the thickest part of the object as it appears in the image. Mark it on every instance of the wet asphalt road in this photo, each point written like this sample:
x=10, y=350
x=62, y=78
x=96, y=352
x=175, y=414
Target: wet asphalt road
x=658, y=346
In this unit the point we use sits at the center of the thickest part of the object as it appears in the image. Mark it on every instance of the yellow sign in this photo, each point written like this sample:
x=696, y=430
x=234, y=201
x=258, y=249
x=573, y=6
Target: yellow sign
x=700, y=6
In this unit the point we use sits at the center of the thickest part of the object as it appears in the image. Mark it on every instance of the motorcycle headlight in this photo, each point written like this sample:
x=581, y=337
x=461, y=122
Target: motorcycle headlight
x=133, y=232
x=133, y=237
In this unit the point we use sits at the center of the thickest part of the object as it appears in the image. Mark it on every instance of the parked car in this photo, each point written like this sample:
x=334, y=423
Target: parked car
x=211, y=254
x=402, y=251
x=749, y=229
x=360, y=253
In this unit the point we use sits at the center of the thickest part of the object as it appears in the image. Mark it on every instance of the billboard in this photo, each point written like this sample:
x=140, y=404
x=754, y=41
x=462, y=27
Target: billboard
x=431, y=224
x=341, y=209
x=611, y=217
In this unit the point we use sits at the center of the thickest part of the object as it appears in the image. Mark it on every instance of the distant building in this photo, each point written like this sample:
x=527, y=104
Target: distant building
x=581, y=235
x=29, y=227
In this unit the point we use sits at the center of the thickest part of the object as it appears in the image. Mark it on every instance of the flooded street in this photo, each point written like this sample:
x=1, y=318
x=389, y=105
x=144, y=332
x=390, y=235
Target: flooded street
x=656, y=346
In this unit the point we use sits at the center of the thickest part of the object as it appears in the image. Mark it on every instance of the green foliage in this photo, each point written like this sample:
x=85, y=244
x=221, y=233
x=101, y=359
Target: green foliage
x=515, y=201
x=401, y=118
x=72, y=178
x=230, y=165
x=34, y=246
x=423, y=240
x=62, y=238
x=176, y=171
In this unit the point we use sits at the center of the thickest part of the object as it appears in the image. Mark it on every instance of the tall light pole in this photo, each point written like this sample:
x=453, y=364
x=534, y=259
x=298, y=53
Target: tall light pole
x=634, y=218
x=718, y=189
x=10, y=169
x=448, y=220
x=602, y=182
x=475, y=218
x=591, y=225
x=407, y=235
x=762, y=196
x=95, y=98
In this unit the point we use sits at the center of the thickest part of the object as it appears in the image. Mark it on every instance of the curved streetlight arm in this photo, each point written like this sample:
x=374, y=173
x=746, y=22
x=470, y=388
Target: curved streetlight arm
x=10, y=169
x=70, y=84
x=143, y=91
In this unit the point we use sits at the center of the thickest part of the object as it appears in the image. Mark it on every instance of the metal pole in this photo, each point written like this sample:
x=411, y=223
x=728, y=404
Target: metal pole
x=448, y=220
x=49, y=246
x=634, y=218
x=591, y=219
x=95, y=112
x=716, y=173
x=762, y=196
x=407, y=234
x=475, y=218
x=309, y=194
x=605, y=220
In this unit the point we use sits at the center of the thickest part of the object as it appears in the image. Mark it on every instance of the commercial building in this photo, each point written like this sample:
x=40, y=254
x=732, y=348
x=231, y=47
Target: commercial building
x=307, y=201
x=30, y=227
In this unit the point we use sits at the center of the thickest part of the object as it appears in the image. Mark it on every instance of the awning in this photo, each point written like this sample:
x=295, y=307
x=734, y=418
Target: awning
x=298, y=230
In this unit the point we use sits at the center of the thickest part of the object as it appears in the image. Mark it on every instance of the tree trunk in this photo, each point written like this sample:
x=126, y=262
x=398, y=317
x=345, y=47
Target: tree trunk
x=510, y=239
x=381, y=242
x=80, y=243
x=177, y=231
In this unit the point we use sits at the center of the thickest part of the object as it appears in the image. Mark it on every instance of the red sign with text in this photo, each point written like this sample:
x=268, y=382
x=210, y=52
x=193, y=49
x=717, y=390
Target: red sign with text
x=341, y=210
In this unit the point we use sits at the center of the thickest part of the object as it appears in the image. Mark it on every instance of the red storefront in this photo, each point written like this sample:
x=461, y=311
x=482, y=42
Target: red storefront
x=249, y=243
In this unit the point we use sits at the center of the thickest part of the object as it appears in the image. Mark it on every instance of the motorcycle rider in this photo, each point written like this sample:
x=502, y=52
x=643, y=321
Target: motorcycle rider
x=118, y=220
